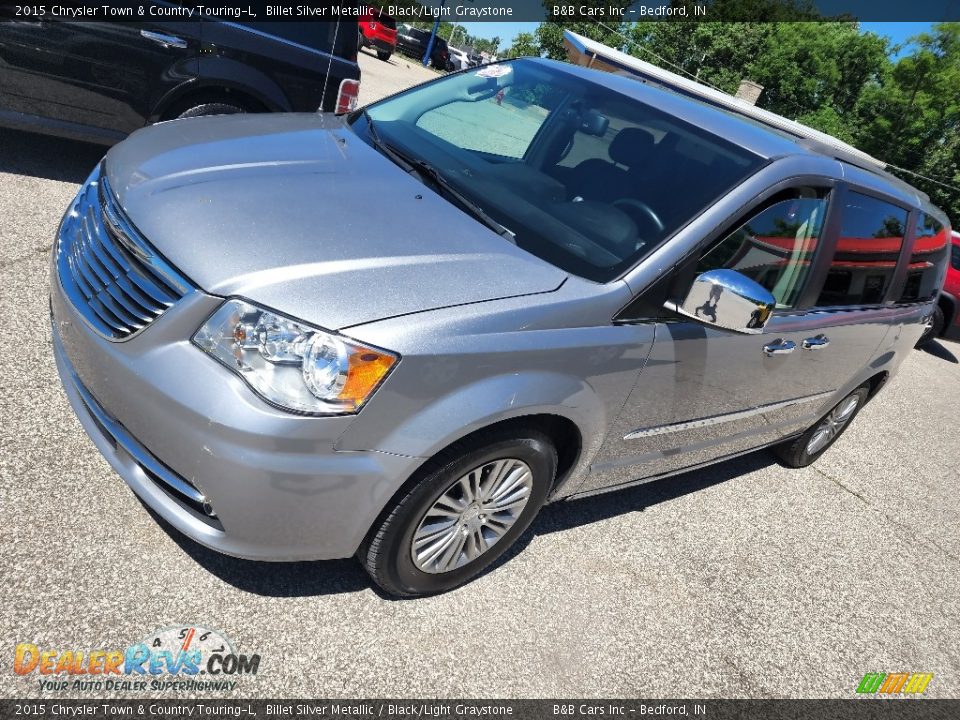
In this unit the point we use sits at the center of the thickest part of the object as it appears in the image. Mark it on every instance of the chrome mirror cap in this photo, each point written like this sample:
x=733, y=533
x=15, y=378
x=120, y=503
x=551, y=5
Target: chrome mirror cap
x=728, y=300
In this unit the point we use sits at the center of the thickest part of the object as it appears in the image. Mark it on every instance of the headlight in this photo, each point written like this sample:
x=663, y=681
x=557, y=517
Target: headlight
x=290, y=363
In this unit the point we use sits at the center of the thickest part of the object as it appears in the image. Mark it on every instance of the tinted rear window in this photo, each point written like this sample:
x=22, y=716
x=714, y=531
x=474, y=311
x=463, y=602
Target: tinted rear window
x=925, y=270
x=863, y=264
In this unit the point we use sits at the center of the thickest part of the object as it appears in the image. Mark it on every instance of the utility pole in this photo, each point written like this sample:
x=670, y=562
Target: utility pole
x=433, y=35
x=433, y=40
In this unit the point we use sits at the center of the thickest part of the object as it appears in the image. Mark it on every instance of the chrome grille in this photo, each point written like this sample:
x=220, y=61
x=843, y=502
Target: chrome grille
x=112, y=276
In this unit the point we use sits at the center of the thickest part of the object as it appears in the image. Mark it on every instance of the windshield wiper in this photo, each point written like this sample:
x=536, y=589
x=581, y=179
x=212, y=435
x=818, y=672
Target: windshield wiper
x=426, y=171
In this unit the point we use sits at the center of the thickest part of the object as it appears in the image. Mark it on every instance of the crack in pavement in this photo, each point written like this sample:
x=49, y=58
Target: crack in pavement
x=903, y=526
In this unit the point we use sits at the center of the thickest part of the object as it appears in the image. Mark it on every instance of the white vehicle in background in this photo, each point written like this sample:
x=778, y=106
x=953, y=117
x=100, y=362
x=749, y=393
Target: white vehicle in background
x=458, y=59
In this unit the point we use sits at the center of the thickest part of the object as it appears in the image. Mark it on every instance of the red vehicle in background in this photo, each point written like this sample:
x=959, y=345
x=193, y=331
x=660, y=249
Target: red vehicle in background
x=945, y=322
x=378, y=31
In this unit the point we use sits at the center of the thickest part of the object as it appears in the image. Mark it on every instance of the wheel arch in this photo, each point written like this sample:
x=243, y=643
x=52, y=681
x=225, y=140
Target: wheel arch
x=877, y=381
x=563, y=432
x=388, y=425
x=231, y=79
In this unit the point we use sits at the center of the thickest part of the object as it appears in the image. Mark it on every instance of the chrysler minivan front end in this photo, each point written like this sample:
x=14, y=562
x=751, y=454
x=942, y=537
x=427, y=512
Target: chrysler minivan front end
x=236, y=453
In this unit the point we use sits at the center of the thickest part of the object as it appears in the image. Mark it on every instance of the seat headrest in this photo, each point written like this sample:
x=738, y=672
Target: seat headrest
x=630, y=146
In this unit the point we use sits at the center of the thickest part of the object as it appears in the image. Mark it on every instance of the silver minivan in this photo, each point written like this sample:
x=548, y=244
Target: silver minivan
x=399, y=333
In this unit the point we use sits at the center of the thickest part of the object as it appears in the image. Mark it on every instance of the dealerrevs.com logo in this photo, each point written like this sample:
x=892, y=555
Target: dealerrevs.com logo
x=894, y=683
x=183, y=657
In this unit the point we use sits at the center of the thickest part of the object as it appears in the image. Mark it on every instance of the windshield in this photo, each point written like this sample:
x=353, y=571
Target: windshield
x=583, y=177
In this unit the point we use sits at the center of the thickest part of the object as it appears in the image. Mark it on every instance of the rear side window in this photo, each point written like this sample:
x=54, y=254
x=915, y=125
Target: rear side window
x=775, y=247
x=955, y=257
x=925, y=270
x=871, y=237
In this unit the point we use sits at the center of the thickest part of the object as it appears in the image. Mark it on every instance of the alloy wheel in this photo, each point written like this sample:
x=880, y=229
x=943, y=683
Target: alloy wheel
x=832, y=425
x=472, y=515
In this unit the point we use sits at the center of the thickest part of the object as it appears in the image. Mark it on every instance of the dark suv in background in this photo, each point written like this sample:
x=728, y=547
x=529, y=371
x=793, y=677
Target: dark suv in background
x=100, y=81
x=413, y=42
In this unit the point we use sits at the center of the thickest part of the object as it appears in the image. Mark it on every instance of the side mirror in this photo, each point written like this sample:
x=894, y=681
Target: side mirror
x=729, y=300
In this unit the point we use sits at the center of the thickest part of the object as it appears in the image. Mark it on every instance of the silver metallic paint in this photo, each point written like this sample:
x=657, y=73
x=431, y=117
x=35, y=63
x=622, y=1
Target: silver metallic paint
x=295, y=213
x=301, y=215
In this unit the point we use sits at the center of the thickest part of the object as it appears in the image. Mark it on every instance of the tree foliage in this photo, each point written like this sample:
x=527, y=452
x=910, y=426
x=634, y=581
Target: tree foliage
x=458, y=36
x=524, y=45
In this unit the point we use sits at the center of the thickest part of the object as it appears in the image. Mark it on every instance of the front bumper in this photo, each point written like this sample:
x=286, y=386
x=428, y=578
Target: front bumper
x=277, y=487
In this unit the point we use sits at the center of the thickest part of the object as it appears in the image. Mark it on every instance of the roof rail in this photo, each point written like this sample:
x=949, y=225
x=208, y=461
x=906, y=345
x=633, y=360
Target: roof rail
x=857, y=161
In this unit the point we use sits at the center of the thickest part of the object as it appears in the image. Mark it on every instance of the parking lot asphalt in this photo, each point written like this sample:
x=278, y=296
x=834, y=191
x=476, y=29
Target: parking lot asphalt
x=743, y=580
x=380, y=78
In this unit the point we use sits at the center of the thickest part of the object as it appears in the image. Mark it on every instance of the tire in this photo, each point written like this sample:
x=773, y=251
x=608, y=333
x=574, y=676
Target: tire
x=383, y=55
x=212, y=108
x=934, y=329
x=388, y=552
x=802, y=451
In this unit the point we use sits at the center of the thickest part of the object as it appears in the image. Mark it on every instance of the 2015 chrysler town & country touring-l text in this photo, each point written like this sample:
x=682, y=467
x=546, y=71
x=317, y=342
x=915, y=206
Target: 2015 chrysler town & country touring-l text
x=567, y=282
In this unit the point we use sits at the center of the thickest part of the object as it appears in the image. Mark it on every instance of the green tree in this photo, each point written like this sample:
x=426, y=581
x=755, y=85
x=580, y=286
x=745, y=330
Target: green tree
x=715, y=53
x=524, y=45
x=910, y=117
x=942, y=164
x=805, y=67
x=479, y=44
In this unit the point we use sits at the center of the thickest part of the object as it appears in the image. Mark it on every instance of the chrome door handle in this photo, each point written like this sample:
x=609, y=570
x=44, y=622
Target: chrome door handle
x=164, y=40
x=779, y=347
x=816, y=343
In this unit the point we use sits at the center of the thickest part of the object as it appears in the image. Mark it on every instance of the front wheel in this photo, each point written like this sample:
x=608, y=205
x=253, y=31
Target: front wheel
x=470, y=506
x=384, y=54
x=210, y=108
x=805, y=449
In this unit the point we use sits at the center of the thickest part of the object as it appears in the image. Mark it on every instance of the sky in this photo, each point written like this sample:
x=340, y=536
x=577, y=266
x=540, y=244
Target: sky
x=506, y=31
x=898, y=32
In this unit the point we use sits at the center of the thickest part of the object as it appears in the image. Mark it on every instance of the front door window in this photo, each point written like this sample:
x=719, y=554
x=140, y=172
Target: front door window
x=775, y=247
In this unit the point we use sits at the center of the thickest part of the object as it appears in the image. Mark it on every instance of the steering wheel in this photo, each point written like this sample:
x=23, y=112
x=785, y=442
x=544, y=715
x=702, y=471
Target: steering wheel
x=642, y=214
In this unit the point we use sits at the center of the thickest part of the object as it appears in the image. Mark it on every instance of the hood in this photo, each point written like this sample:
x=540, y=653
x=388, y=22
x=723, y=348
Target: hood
x=295, y=212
